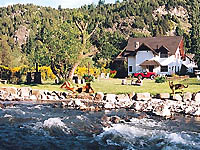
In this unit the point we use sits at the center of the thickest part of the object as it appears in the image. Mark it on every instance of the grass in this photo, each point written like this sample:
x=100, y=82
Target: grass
x=114, y=86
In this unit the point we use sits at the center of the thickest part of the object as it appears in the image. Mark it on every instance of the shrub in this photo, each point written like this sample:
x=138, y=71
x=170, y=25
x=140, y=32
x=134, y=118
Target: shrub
x=161, y=79
x=46, y=73
x=113, y=73
x=88, y=78
x=81, y=71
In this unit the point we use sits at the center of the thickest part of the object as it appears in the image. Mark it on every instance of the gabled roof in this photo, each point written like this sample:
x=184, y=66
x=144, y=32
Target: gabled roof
x=169, y=42
x=190, y=56
x=142, y=47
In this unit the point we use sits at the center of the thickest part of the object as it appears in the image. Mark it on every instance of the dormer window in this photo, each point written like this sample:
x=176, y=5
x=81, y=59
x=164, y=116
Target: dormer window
x=163, y=54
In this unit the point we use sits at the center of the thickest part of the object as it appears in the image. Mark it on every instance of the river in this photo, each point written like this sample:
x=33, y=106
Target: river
x=28, y=126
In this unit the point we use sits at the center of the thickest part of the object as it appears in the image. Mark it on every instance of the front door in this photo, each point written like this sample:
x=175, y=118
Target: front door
x=151, y=68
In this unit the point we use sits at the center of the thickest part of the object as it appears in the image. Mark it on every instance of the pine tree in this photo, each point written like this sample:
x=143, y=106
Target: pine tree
x=195, y=29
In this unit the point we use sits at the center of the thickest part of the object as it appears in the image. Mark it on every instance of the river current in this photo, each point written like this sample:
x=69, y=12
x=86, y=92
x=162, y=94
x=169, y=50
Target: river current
x=28, y=126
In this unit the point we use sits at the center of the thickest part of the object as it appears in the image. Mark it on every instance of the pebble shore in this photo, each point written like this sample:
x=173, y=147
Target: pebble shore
x=163, y=104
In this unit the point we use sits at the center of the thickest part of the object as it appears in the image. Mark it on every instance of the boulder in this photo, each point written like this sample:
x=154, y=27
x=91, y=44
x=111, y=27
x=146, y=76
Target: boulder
x=24, y=92
x=197, y=97
x=177, y=97
x=78, y=103
x=187, y=96
x=109, y=105
x=105, y=118
x=131, y=95
x=2, y=106
x=115, y=119
x=143, y=96
x=99, y=96
x=10, y=90
x=33, y=97
x=197, y=112
x=122, y=98
x=164, y=95
x=111, y=98
x=35, y=92
x=163, y=111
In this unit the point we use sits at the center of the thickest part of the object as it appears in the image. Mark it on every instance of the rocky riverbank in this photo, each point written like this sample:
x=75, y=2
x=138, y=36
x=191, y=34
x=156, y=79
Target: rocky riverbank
x=163, y=104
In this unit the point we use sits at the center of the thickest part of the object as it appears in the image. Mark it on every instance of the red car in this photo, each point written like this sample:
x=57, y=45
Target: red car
x=142, y=75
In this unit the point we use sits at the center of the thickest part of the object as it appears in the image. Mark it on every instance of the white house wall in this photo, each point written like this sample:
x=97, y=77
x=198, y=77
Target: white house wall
x=173, y=62
x=141, y=56
x=190, y=65
x=132, y=62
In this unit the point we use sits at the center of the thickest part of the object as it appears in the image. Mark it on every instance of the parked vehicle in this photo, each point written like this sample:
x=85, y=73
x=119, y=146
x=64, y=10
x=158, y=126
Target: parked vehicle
x=142, y=75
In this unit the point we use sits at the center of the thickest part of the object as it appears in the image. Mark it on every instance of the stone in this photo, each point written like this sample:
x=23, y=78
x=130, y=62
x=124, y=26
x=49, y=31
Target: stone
x=35, y=92
x=163, y=111
x=197, y=97
x=143, y=96
x=92, y=108
x=122, y=98
x=197, y=112
x=131, y=95
x=83, y=107
x=24, y=91
x=99, y=96
x=105, y=118
x=109, y=105
x=164, y=95
x=115, y=119
x=33, y=97
x=2, y=106
x=187, y=96
x=177, y=97
x=142, y=115
x=78, y=102
x=10, y=90
x=111, y=98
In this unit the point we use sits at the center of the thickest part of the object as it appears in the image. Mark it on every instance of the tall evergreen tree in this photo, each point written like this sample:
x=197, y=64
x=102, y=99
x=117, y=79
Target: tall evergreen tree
x=195, y=29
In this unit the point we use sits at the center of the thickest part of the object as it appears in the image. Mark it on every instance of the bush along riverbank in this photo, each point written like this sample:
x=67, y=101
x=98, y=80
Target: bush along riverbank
x=163, y=104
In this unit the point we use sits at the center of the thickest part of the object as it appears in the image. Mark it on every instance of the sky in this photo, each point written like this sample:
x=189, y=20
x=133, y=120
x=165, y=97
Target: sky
x=53, y=3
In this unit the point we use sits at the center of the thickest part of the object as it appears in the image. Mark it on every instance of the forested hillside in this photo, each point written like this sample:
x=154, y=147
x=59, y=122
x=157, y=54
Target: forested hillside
x=60, y=37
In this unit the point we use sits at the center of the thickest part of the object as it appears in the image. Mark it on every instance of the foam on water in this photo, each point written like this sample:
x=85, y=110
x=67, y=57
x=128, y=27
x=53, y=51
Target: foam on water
x=81, y=117
x=147, y=133
x=54, y=122
x=55, y=125
x=7, y=116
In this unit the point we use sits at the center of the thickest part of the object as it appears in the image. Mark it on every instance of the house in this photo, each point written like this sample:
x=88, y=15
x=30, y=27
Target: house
x=189, y=63
x=163, y=55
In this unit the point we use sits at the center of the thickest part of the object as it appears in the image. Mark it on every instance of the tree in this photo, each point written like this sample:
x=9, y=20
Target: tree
x=84, y=25
x=195, y=29
x=101, y=2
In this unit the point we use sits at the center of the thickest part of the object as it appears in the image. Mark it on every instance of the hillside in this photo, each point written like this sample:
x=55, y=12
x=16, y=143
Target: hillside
x=25, y=29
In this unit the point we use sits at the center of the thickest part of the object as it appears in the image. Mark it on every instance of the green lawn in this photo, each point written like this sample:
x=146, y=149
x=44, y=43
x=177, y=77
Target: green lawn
x=114, y=86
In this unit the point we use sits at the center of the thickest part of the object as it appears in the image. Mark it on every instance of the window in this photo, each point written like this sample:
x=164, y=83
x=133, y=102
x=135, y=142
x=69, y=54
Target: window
x=130, y=69
x=164, y=69
x=163, y=54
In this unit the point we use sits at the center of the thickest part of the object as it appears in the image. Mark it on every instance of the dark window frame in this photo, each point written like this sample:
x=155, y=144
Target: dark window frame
x=163, y=54
x=130, y=68
x=164, y=69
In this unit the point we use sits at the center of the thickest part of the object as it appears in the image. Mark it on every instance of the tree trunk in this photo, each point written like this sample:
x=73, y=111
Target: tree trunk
x=55, y=72
x=72, y=70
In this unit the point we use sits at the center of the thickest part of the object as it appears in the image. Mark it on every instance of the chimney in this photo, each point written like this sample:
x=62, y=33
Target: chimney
x=137, y=44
